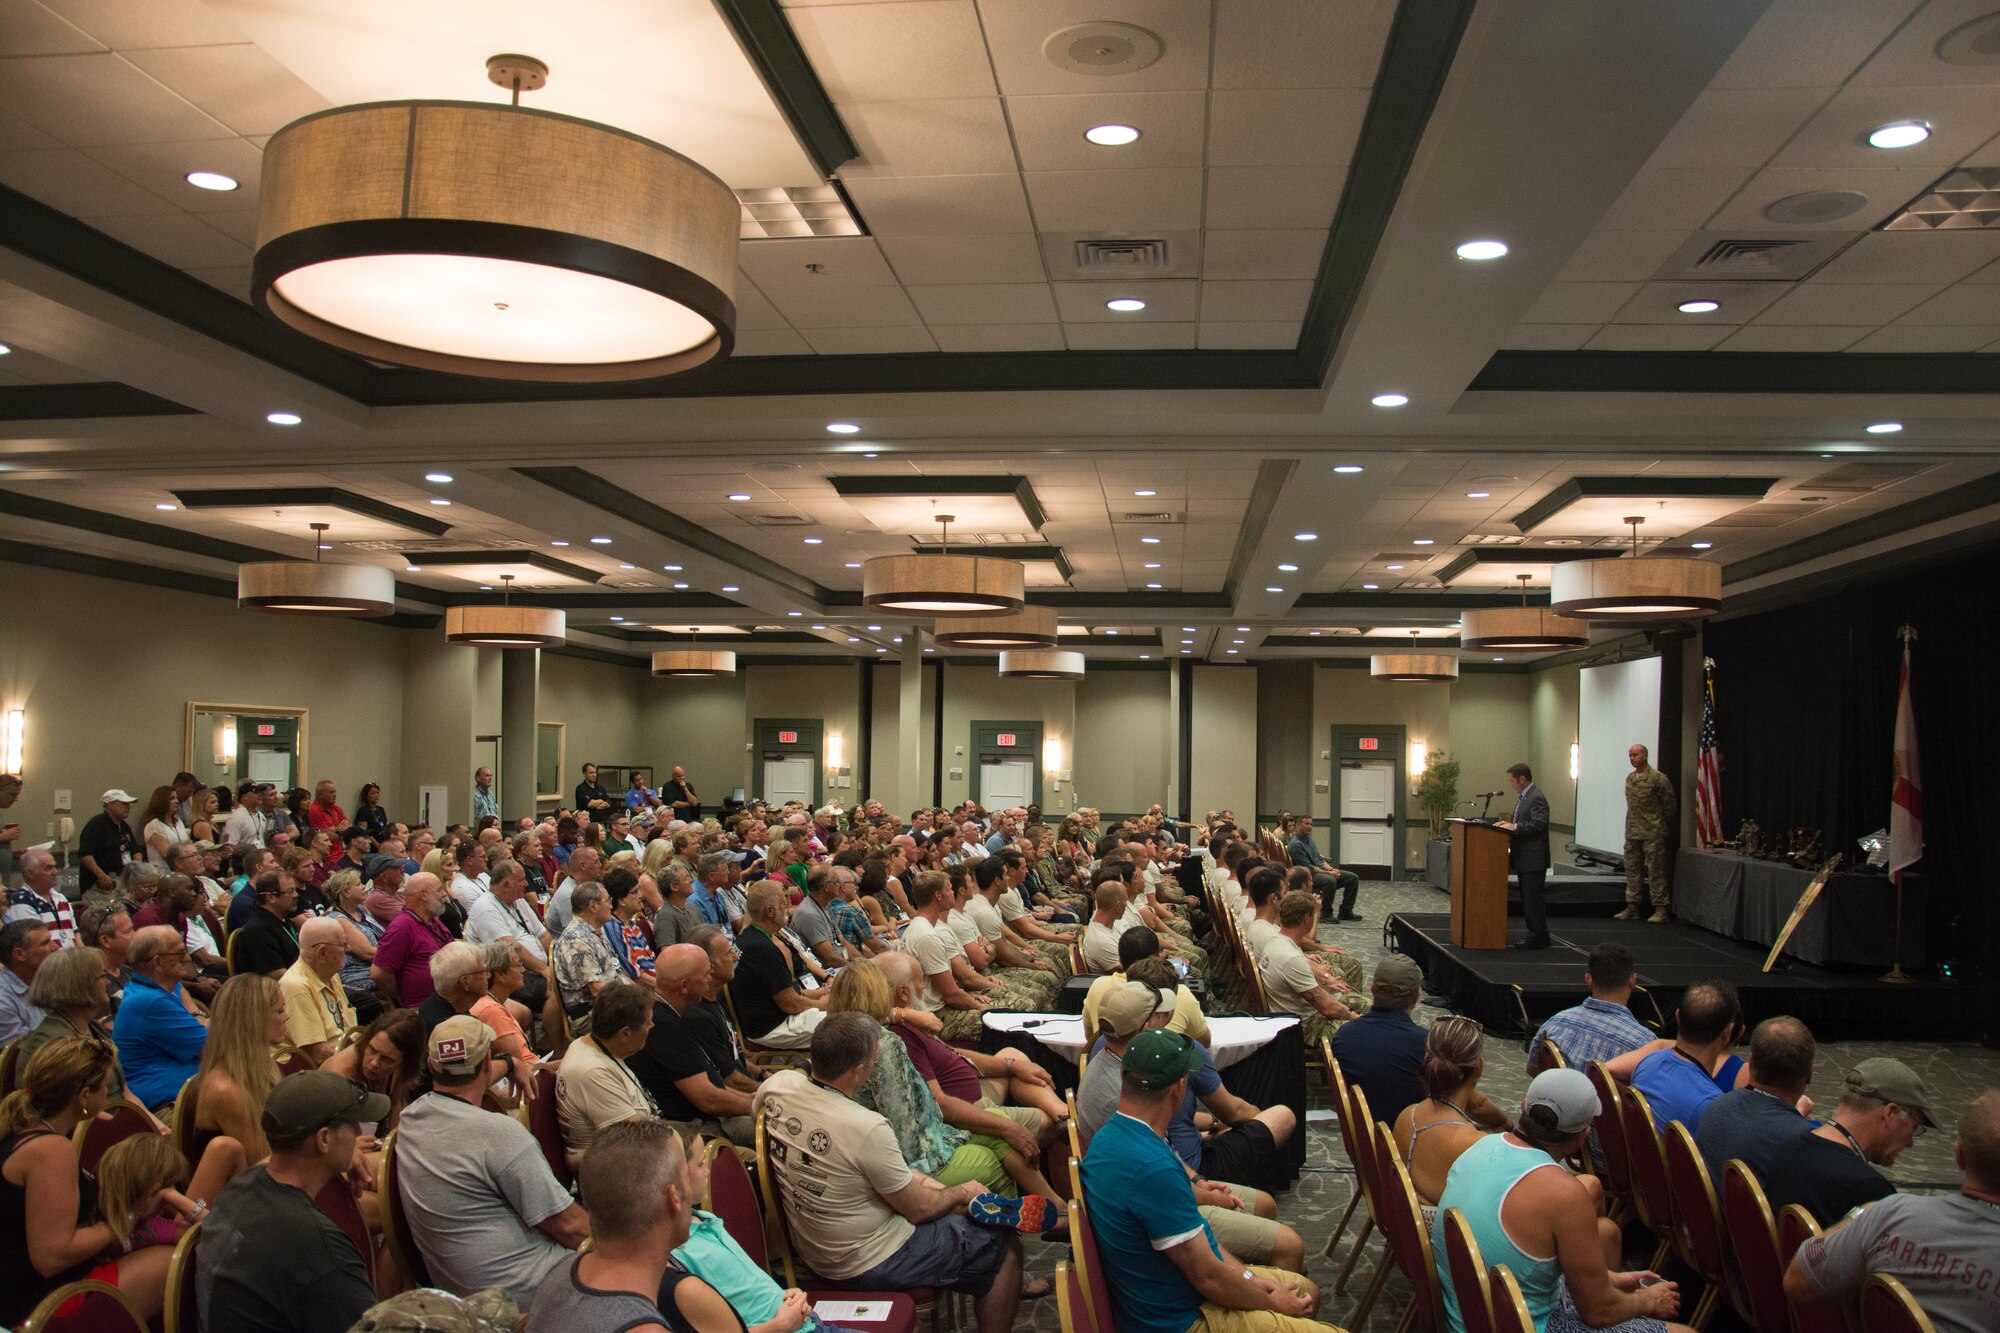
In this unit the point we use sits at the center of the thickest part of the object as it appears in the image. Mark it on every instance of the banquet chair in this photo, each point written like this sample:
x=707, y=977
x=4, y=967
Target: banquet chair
x=406, y=1261
x=545, y=1124
x=1367, y=1165
x=1649, y=1173
x=99, y=1308
x=1409, y=1244
x=1809, y=1314
x=1465, y=1269
x=1753, y=1240
x=96, y=1136
x=1071, y=1310
x=1083, y=1250
x=1888, y=1307
x=1609, y=1132
x=182, y=1313
x=1510, y=1311
x=1336, y=1085
x=1698, y=1225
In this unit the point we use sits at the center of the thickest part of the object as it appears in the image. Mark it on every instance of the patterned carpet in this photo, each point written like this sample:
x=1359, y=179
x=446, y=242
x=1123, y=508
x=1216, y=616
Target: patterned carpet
x=1955, y=1073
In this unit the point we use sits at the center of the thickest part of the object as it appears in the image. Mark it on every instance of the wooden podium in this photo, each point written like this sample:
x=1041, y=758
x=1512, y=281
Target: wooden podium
x=1478, y=885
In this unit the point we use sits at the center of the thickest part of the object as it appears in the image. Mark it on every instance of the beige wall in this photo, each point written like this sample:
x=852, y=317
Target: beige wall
x=1488, y=729
x=830, y=693
x=1349, y=696
x=1552, y=724
x=1286, y=756
x=1123, y=725
x=1223, y=753
x=700, y=725
x=976, y=693
x=598, y=706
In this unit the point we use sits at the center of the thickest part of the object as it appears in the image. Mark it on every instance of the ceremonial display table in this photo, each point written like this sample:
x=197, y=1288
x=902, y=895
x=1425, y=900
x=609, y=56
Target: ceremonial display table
x=1853, y=921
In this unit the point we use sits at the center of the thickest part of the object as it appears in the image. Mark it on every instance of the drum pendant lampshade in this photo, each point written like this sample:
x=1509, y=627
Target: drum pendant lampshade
x=1523, y=628
x=1041, y=664
x=694, y=662
x=1413, y=665
x=314, y=587
x=505, y=626
x=1030, y=627
x=1634, y=588
x=944, y=584
x=499, y=241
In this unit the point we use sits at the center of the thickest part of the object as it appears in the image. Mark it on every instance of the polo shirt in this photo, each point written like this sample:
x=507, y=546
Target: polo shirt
x=1749, y=1124
x=673, y=1051
x=936, y=1061
x=17, y=1016
x=315, y=1010
x=159, y=1041
x=266, y=944
x=760, y=974
x=812, y=924
x=1676, y=1087
x=1141, y=1206
x=1382, y=1053
x=24, y=904
x=492, y=920
x=710, y=1022
x=111, y=843
x=704, y=900
x=405, y=953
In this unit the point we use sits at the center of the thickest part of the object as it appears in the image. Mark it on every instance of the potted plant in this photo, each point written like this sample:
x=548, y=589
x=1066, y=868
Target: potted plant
x=1437, y=791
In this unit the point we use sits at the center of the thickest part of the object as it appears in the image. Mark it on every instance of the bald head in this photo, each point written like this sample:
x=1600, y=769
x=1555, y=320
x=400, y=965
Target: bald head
x=902, y=972
x=421, y=885
x=1979, y=1142
x=319, y=930
x=681, y=974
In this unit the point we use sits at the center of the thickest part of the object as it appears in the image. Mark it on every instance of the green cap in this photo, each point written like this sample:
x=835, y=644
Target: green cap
x=1397, y=977
x=309, y=1101
x=1889, y=1080
x=1157, y=1058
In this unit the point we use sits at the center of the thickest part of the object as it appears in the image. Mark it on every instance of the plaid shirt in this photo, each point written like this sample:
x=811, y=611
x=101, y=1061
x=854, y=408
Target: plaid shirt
x=1594, y=1030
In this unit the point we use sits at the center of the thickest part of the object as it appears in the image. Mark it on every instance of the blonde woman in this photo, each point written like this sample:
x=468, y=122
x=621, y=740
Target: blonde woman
x=203, y=808
x=649, y=888
x=239, y=1065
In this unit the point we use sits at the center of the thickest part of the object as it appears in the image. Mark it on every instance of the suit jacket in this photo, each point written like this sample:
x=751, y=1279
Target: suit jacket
x=1529, y=849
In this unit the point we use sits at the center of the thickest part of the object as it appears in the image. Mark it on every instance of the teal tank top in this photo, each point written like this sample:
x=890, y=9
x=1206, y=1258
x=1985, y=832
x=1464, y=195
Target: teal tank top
x=1477, y=1185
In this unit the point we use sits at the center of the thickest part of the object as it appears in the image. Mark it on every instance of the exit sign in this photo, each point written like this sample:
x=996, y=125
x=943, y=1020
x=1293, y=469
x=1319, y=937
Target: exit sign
x=788, y=738
x=266, y=729
x=1369, y=743
x=1005, y=738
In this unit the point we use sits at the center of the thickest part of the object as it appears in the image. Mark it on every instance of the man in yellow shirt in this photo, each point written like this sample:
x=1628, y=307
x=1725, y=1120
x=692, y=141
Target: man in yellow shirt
x=316, y=1007
x=1137, y=943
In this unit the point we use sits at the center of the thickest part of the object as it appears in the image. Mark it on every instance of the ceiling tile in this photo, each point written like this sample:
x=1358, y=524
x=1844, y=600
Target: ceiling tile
x=967, y=205
x=1291, y=127
x=753, y=309
x=845, y=261
x=1846, y=303
x=99, y=99
x=1790, y=338
x=18, y=136
x=940, y=137
x=123, y=25
x=241, y=225
x=875, y=53
x=1930, y=338
x=1656, y=338
x=1135, y=337
x=1808, y=43
x=1129, y=202
x=240, y=86
x=1971, y=303
x=1262, y=254
x=1273, y=197
x=1017, y=29
x=1737, y=127
x=999, y=338
x=986, y=303
x=28, y=29
x=163, y=167
x=235, y=280
x=71, y=183
x=179, y=239
x=958, y=259
x=1166, y=302
x=1048, y=130
x=771, y=342
x=1300, y=43
x=1659, y=302
x=1886, y=190
x=1962, y=118
x=1549, y=337
x=1913, y=256
x=1663, y=198
x=1620, y=256
x=1248, y=334
x=1580, y=302
x=1910, y=58
x=835, y=305
x=1255, y=301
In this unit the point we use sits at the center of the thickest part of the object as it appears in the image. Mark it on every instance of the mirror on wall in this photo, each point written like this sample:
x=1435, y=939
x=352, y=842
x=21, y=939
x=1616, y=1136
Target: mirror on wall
x=548, y=761
x=229, y=743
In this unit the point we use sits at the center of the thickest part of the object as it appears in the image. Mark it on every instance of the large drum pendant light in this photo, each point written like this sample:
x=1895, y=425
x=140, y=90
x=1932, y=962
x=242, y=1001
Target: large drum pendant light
x=1634, y=589
x=505, y=626
x=694, y=662
x=1523, y=628
x=1041, y=664
x=1413, y=665
x=313, y=587
x=943, y=584
x=492, y=240
x=1030, y=627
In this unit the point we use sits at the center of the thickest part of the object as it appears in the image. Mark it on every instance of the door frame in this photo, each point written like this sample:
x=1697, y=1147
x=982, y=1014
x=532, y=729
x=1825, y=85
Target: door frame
x=1028, y=740
x=811, y=732
x=1398, y=736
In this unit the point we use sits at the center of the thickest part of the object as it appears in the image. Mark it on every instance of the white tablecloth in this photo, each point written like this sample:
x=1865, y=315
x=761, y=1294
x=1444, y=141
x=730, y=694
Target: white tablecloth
x=1230, y=1039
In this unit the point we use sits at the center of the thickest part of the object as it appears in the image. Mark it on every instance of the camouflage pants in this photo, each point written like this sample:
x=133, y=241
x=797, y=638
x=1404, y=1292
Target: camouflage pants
x=1646, y=867
x=1024, y=988
x=1348, y=968
x=1056, y=956
x=961, y=1026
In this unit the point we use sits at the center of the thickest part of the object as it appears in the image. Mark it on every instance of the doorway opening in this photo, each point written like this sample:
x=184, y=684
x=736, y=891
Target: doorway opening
x=1368, y=826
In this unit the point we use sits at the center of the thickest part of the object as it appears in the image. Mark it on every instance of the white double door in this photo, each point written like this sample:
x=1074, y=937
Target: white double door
x=1006, y=781
x=788, y=778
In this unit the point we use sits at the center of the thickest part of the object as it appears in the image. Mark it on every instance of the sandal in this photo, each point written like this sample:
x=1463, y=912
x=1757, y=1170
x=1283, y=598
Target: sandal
x=1036, y=1288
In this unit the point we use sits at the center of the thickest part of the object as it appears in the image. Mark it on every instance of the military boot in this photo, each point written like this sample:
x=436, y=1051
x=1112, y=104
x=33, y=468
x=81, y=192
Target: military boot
x=1631, y=913
x=1658, y=918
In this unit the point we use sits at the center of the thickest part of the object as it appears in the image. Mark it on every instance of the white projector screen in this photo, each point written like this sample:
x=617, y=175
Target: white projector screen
x=1617, y=707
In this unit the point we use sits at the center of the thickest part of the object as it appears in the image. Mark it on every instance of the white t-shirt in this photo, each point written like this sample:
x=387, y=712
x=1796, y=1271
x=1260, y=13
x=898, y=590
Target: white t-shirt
x=1100, y=947
x=467, y=891
x=1010, y=905
x=174, y=832
x=962, y=927
x=834, y=1160
x=595, y=1091
x=933, y=948
x=244, y=828
x=985, y=916
x=1289, y=980
x=490, y=919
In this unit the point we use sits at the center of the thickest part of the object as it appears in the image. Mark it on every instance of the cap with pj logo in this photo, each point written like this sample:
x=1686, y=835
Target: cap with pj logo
x=459, y=1045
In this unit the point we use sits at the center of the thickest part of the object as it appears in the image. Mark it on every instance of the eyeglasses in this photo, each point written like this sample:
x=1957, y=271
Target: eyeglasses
x=1917, y=1126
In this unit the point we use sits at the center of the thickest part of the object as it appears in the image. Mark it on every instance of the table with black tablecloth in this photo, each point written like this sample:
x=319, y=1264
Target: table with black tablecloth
x=1261, y=1059
x=1853, y=921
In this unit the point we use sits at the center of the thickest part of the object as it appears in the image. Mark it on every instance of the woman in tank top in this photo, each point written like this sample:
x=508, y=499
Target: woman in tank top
x=1431, y=1134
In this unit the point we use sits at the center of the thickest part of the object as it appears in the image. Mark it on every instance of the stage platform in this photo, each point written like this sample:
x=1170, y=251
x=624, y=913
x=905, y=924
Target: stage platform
x=1512, y=989
x=1579, y=889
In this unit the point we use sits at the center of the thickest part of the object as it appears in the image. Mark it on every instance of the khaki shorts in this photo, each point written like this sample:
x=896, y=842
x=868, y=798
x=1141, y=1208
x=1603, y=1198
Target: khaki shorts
x=1215, y=1319
x=1240, y=1231
x=1027, y=1117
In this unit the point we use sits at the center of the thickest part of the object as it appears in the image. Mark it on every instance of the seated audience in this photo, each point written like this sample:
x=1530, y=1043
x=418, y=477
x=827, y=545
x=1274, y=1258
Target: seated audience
x=678, y=916
x=675, y=1066
x=1339, y=970
x=1135, y=944
x=387, y=1057
x=502, y=963
x=1940, y=1246
x=268, y=942
x=483, y=1207
x=1382, y=1052
x=1292, y=984
x=582, y=959
x=1328, y=880
x=459, y=980
x=239, y=1065
x=1883, y=1107
x=1679, y=1081
x=1165, y=1268
x=402, y=965
x=1452, y=1115
x=360, y=933
x=627, y=932
x=70, y=988
x=595, y=1087
x=159, y=1035
x=710, y=1017
x=862, y=1217
x=317, y=1012
x=111, y=931
x=773, y=1009
x=1521, y=1205
x=953, y=990
x=503, y=913
x=1751, y=1122
x=23, y=947
x=714, y=1256
x=1106, y=926
x=1602, y=1027
x=269, y=1258
x=38, y=898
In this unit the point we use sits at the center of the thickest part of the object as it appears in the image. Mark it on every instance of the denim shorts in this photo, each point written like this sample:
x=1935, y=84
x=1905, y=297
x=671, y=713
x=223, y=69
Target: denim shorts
x=952, y=1251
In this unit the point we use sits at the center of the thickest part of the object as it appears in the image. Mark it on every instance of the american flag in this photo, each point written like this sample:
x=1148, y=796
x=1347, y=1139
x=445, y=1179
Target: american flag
x=1708, y=766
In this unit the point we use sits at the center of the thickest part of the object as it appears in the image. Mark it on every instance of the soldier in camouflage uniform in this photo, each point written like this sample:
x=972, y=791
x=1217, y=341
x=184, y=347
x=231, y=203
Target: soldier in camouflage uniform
x=1649, y=814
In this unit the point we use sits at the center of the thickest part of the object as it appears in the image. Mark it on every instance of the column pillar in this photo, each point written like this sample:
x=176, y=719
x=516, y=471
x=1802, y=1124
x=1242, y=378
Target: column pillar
x=520, y=690
x=913, y=736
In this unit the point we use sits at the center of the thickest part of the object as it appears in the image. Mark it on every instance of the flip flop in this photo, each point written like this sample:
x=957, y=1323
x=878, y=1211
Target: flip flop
x=1036, y=1288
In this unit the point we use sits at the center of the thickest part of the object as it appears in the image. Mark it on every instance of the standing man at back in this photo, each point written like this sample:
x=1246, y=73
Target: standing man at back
x=1649, y=813
x=1529, y=851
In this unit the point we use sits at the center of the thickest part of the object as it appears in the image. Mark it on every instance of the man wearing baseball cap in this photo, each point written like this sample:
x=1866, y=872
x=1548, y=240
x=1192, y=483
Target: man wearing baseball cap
x=1883, y=1107
x=106, y=844
x=1171, y=1274
x=269, y=1258
x=1520, y=1202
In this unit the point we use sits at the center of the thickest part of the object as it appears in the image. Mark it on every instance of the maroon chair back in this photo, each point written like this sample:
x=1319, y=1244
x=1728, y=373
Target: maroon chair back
x=1072, y=1310
x=1753, y=1240
x=1083, y=1248
x=1888, y=1307
x=95, y=1137
x=1402, y=1222
x=292, y=1060
x=336, y=1203
x=1610, y=1130
x=1649, y=1164
x=182, y=1313
x=85, y=1307
x=733, y=1198
x=402, y=1245
x=1795, y=1227
x=1510, y=1310
x=544, y=1124
x=1466, y=1270
x=1697, y=1215
x=1366, y=1131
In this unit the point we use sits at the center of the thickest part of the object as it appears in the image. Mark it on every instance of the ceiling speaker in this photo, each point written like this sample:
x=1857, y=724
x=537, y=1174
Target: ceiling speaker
x=1102, y=48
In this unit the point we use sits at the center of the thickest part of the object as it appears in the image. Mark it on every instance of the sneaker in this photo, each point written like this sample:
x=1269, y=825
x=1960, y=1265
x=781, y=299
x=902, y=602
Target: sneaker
x=1629, y=914
x=1032, y=1214
x=1658, y=918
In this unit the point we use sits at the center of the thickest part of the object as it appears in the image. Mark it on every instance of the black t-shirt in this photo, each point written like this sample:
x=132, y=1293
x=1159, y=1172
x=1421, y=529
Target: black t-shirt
x=711, y=1025
x=265, y=944
x=272, y=1261
x=673, y=792
x=434, y=1010
x=586, y=792
x=1826, y=1178
x=760, y=974
x=111, y=842
x=673, y=1051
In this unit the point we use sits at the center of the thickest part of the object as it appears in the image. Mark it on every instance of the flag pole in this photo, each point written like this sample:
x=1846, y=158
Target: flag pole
x=1896, y=976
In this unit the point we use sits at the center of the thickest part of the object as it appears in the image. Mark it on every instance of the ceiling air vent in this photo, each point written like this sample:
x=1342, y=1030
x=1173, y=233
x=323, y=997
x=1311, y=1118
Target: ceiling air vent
x=1762, y=258
x=1769, y=514
x=1121, y=256
x=402, y=544
x=1149, y=518
x=776, y=520
x=1859, y=478
x=1710, y=255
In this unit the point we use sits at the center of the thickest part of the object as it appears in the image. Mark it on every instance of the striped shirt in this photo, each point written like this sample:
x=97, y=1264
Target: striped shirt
x=1594, y=1030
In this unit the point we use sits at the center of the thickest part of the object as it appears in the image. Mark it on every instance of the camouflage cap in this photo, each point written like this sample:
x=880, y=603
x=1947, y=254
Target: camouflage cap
x=427, y=1310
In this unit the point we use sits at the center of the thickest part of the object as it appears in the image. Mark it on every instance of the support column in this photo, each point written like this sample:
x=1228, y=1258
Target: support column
x=913, y=736
x=520, y=691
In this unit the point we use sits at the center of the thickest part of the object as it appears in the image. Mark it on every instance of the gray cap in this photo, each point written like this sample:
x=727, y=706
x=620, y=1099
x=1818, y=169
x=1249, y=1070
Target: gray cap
x=1568, y=1094
x=375, y=863
x=1131, y=1005
x=1398, y=977
x=427, y=1310
x=1888, y=1080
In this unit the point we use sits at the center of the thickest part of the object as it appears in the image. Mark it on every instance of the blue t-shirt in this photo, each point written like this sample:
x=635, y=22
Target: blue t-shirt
x=1750, y=1124
x=1181, y=1132
x=1677, y=1088
x=1142, y=1205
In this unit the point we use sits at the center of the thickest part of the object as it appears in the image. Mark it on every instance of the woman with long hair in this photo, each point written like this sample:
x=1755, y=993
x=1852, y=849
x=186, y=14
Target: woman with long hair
x=386, y=1057
x=204, y=813
x=1453, y=1115
x=370, y=819
x=162, y=827
x=239, y=1065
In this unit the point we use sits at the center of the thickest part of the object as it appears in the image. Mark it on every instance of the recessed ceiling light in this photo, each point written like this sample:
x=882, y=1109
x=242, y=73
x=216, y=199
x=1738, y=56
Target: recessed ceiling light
x=600, y=541
x=1701, y=546
x=813, y=541
x=1370, y=587
x=1230, y=651
x=870, y=455
x=486, y=587
x=730, y=587
x=1186, y=652
x=1390, y=399
x=1885, y=428
x=1145, y=494
x=1187, y=641
x=413, y=569
x=1145, y=657
x=1423, y=541
x=1479, y=495
x=1272, y=588
x=874, y=629
x=881, y=650
x=439, y=478
x=628, y=566
x=854, y=564
x=1499, y=659
x=1312, y=634
x=739, y=497
x=1242, y=629
x=1152, y=564
x=440, y=501
x=680, y=587
x=1125, y=305
x=852, y=639
x=283, y=418
x=1111, y=631
x=897, y=639
x=794, y=613
x=930, y=650
x=5, y=350
x=1392, y=566
x=1111, y=136
x=210, y=180
x=843, y=428
x=1150, y=541
x=165, y=505
x=671, y=569
x=325, y=547
x=1482, y=250
x=1899, y=134
x=1152, y=585
x=1699, y=307
x=1347, y=469
x=617, y=617
x=1187, y=629
x=559, y=543
x=1305, y=536
x=1288, y=569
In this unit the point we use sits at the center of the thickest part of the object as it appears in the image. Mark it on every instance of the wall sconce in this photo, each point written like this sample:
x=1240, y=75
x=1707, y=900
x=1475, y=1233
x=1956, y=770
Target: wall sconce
x=836, y=750
x=13, y=731
x=1420, y=759
x=1052, y=754
x=225, y=742
x=1573, y=761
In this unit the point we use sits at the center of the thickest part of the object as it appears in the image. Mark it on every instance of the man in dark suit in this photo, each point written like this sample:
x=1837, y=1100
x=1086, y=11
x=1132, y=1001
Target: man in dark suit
x=1530, y=852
